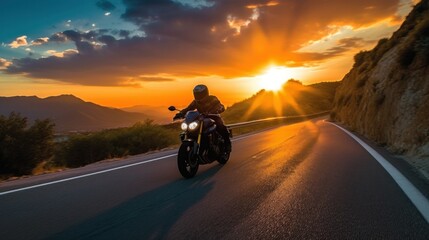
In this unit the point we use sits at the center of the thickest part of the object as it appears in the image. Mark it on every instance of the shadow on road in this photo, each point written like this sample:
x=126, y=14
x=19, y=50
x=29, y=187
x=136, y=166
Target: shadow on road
x=148, y=216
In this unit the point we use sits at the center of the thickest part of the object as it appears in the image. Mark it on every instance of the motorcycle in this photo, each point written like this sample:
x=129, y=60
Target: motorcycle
x=201, y=143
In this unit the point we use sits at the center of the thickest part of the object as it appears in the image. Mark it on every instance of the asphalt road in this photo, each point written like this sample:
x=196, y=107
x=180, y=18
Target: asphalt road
x=302, y=181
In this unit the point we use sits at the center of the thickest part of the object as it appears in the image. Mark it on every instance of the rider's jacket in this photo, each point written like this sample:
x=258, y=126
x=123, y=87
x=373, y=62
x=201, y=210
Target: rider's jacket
x=209, y=105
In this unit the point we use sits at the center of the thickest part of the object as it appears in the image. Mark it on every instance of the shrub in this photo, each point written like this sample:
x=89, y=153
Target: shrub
x=360, y=58
x=23, y=147
x=142, y=137
x=416, y=43
x=382, y=47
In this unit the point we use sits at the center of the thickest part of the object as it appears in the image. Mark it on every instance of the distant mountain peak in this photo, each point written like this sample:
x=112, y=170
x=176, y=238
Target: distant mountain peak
x=65, y=98
x=69, y=112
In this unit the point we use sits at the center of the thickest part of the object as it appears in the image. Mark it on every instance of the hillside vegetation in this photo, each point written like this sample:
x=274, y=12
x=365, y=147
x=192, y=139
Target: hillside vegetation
x=25, y=148
x=293, y=99
x=84, y=149
x=385, y=96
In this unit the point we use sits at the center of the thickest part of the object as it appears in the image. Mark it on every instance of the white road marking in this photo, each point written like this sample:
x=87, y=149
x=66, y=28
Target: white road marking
x=416, y=197
x=86, y=175
x=103, y=171
x=116, y=168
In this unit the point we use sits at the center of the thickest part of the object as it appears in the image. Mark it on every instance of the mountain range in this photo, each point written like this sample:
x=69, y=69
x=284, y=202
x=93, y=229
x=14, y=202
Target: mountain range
x=69, y=113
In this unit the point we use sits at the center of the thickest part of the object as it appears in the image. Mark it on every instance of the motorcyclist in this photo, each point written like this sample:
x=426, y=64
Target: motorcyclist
x=208, y=104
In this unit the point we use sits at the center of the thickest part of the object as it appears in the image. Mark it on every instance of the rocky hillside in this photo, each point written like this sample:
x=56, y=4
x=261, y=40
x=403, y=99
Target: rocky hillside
x=385, y=96
x=293, y=99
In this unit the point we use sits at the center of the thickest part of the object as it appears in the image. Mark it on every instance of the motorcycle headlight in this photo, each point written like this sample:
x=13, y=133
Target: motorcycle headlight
x=193, y=125
x=184, y=126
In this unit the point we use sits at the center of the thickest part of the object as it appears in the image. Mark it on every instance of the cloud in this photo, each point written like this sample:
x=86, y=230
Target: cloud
x=225, y=38
x=40, y=41
x=19, y=42
x=58, y=37
x=195, y=3
x=4, y=63
x=62, y=54
x=346, y=44
x=105, y=5
x=341, y=47
x=155, y=79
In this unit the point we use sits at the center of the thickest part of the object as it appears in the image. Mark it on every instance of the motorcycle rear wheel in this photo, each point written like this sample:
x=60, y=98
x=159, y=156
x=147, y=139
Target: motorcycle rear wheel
x=184, y=158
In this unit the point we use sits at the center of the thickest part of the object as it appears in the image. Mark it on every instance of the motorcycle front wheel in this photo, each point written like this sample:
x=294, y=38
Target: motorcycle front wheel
x=184, y=158
x=224, y=156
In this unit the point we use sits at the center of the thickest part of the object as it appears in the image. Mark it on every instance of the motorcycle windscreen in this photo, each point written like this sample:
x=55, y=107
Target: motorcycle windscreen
x=191, y=116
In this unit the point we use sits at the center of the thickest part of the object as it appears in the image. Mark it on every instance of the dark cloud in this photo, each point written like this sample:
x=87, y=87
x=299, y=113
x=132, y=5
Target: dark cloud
x=155, y=79
x=107, y=39
x=228, y=38
x=40, y=41
x=58, y=37
x=105, y=5
x=342, y=46
x=124, y=33
x=76, y=36
x=345, y=45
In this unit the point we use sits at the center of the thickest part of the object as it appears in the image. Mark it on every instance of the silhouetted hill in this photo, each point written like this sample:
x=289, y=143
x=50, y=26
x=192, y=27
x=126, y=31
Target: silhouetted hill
x=69, y=113
x=159, y=114
x=385, y=96
x=293, y=99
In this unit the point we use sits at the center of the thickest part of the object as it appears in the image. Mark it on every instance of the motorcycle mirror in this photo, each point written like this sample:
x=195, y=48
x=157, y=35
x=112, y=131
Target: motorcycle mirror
x=172, y=108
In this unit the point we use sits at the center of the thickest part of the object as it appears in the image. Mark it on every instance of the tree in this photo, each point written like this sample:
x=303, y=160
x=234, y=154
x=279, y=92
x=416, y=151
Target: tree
x=23, y=147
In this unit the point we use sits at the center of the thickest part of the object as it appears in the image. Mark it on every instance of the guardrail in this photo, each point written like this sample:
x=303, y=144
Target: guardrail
x=254, y=122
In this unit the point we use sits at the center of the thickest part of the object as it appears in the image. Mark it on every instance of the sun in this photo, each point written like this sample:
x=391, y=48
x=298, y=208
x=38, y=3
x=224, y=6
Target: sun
x=274, y=78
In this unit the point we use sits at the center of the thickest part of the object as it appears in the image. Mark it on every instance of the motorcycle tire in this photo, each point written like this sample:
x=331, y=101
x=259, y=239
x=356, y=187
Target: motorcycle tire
x=183, y=160
x=223, y=158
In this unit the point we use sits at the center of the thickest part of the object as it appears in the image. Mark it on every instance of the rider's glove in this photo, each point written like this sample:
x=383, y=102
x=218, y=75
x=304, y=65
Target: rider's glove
x=178, y=116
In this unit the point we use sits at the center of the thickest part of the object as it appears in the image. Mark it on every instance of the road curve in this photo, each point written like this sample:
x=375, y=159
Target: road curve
x=308, y=180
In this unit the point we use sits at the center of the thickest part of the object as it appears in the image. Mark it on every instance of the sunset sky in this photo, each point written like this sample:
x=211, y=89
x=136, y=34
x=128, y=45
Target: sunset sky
x=122, y=53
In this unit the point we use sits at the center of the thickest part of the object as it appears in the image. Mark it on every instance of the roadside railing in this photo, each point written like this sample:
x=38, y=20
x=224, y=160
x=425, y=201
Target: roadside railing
x=291, y=118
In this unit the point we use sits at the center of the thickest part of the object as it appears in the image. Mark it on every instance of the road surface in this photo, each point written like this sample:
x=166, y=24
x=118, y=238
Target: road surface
x=307, y=180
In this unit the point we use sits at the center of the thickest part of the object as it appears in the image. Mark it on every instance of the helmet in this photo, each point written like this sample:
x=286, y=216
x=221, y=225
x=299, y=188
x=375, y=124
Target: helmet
x=200, y=92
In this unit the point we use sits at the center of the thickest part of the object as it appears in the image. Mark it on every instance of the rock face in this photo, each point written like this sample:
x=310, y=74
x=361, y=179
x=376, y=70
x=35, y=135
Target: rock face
x=385, y=96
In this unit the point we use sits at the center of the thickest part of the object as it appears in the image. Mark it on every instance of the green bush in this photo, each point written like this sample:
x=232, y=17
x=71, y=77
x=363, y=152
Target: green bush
x=140, y=138
x=23, y=147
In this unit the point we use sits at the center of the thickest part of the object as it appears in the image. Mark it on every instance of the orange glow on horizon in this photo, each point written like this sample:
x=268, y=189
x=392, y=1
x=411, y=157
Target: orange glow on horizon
x=281, y=102
x=274, y=78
